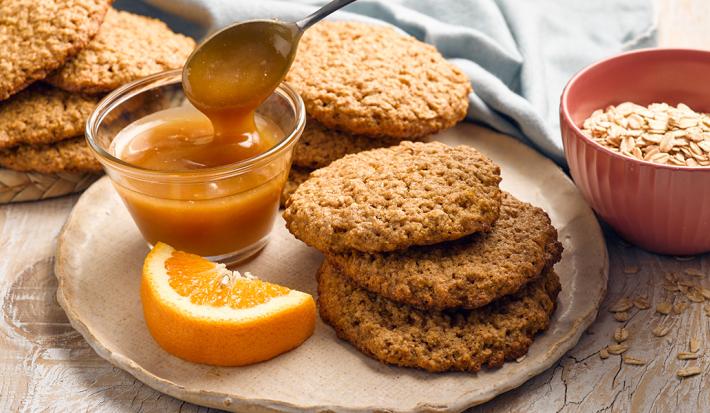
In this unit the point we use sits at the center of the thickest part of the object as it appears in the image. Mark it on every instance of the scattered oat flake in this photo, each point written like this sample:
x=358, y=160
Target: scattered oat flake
x=633, y=361
x=694, y=345
x=694, y=295
x=624, y=304
x=617, y=349
x=679, y=307
x=684, y=355
x=621, y=334
x=521, y=358
x=661, y=331
x=631, y=269
x=622, y=316
x=603, y=354
x=642, y=303
x=689, y=371
x=705, y=293
x=664, y=308
x=694, y=272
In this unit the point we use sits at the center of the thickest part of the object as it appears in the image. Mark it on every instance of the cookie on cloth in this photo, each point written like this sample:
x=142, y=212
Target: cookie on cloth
x=296, y=176
x=437, y=341
x=374, y=81
x=43, y=114
x=392, y=198
x=127, y=47
x=72, y=155
x=468, y=273
x=39, y=36
x=319, y=146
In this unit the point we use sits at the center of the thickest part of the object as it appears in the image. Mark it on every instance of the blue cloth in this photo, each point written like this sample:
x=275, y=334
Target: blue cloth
x=518, y=53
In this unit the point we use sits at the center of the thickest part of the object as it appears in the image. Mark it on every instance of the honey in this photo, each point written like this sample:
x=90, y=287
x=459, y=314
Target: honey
x=225, y=80
x=213, y=218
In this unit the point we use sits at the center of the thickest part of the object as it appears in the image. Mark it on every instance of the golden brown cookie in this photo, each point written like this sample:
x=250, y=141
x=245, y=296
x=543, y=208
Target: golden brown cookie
x=39, y=36
x=454, y=340
x=43, y=114
x=470, y=272
x=72, y=155
x=296, y=176
x=319, y=146
x=127, y=47
x=392, y=198
x=371, y=80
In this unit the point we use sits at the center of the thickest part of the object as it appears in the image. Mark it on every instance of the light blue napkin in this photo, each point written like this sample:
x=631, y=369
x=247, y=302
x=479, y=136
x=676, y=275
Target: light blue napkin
x=518, y=53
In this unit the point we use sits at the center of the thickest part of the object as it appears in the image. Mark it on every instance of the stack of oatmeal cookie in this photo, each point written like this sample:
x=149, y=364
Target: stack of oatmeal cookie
x=368, y=87
x=428, y=263
x=59, y=58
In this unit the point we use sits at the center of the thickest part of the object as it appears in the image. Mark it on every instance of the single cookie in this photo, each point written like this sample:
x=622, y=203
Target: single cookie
x=460, y=340
x=296, y=176
x=39, y=36
x=319, y=146
x=71, y=155
x=470, y=272
x=392, y=198
x=126, y=48
x=371, y=80
x=42, y=114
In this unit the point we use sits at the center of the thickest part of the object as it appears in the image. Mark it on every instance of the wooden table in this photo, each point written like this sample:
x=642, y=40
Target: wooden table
x=45, y=364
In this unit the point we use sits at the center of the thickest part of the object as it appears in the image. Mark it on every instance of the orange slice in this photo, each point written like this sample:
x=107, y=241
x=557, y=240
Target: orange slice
x=202, y=312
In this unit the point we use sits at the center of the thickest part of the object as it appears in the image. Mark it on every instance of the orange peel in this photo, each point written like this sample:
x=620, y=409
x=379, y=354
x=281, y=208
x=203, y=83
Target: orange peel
x=204, y=313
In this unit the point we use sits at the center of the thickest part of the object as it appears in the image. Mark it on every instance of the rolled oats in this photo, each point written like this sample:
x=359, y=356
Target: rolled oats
x=633, y=361
x=694, y=345
x=661, y=330
x=689, y=371
x=621, y=334
x=664, y=308
x=694, y=272
x=622, y=316
x=617, y=349
x=642, y=303
x=622, y=305
x=658, y=133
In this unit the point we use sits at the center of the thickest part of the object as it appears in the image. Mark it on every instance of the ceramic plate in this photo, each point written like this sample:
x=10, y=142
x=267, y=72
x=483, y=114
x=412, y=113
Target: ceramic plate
x=98, y=265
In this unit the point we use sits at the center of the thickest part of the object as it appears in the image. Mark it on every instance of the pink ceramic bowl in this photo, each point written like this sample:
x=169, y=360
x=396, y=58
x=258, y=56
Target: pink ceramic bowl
x=661, y=208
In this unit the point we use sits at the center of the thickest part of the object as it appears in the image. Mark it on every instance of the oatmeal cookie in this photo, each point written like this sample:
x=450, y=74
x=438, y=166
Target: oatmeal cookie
x=319, y=146
x=392, y=198
x=374, y=81
x=72, y=155
x=453, y=340
x=470, y=272
x=296, y=176
x=127, y=47
x=39, y=36
x=42, y=114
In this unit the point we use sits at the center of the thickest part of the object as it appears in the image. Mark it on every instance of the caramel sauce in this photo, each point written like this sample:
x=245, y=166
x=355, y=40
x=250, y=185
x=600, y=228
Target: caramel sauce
x=226, y=79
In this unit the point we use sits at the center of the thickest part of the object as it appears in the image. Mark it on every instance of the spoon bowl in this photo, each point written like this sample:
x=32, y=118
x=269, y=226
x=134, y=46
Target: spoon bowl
x=241, y=65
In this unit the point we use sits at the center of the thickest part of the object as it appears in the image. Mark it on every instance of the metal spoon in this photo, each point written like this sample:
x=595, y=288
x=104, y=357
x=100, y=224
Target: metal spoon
x=242, y=64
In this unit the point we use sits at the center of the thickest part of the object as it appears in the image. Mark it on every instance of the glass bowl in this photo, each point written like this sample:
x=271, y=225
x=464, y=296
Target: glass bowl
x=224, y=213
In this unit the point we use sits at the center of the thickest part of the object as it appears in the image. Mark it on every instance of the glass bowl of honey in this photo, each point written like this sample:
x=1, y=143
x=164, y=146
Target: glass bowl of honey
x=187, y=185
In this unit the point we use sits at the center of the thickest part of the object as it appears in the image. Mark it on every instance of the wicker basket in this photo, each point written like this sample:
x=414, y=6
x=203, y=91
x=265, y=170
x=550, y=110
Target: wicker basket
x=31, y=186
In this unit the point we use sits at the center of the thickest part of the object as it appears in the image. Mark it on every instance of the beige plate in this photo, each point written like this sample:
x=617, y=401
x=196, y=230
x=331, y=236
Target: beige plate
x=31, y=186
x=99, y=260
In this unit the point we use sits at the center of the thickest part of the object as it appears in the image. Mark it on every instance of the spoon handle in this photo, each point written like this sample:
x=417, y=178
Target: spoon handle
x=319, y=14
